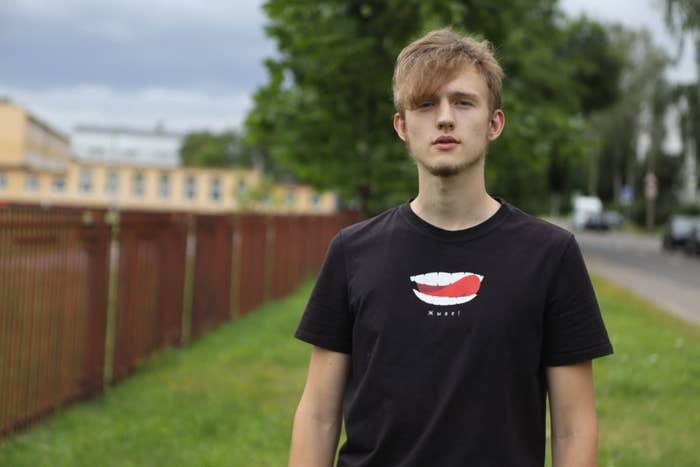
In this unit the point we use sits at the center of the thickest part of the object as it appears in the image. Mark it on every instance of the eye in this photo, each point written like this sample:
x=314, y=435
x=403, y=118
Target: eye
x=464, y=103
x=425, y=105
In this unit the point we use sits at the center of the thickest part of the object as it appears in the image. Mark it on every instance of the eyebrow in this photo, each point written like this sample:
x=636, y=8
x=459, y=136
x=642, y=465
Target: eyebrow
x=460, y=94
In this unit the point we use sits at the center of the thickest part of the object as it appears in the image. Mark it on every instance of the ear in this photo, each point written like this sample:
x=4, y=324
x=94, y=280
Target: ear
x=496, y=124
x=400, y=126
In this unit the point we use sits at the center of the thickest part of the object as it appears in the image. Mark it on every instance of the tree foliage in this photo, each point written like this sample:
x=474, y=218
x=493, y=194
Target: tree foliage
x=683, y=16
x=618, y=126
x=207, y=149
x=325, y=114
x=558, y=75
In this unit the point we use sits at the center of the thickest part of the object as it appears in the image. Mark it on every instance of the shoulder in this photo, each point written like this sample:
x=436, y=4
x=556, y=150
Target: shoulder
x=370, y=230
x=536, y=232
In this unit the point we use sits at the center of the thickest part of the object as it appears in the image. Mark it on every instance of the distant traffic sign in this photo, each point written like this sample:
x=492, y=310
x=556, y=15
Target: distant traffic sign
x=626, y=195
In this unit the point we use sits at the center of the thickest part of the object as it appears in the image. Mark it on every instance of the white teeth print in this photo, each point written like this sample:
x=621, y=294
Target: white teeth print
x=441, y=278
x=443, y=300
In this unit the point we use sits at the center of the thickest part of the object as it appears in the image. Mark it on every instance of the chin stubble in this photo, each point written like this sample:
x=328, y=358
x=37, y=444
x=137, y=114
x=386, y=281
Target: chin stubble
x=445, y=171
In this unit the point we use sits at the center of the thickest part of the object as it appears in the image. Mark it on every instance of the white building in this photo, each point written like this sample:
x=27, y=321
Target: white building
x=118, y=145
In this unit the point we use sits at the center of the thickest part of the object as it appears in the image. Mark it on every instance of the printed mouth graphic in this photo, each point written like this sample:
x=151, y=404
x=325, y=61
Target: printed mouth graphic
x=444, y=288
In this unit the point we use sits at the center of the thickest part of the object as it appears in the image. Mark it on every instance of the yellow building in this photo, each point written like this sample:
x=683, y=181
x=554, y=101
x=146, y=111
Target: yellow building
x=27, y=142
x=37, y=167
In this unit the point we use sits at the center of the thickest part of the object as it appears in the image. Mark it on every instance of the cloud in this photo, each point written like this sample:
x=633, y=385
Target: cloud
x=110, y=31
x=177, y=109
x=127, y=44
x=218, y=12
x=189, y=64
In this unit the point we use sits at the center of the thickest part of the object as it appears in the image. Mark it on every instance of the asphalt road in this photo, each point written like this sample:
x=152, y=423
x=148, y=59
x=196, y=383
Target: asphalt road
x=637, y=262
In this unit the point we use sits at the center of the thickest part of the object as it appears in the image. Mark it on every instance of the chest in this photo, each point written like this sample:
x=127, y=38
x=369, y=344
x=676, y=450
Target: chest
x=411, y=298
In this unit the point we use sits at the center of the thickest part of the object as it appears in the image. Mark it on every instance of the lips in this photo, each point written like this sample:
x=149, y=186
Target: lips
x=445, y=140
x=445, y=143
x=444, y=288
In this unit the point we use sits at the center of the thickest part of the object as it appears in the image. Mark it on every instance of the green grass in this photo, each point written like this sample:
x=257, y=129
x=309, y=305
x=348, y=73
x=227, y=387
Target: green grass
x=648, y=393
x=229, y=398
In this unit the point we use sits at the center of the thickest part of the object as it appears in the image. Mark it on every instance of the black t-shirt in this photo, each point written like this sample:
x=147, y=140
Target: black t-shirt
x=449, y=334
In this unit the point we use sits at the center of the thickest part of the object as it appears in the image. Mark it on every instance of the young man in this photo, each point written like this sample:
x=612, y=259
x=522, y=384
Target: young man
x=439, y=327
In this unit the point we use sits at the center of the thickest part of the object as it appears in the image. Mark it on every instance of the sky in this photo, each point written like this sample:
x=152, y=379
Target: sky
x=184, y=64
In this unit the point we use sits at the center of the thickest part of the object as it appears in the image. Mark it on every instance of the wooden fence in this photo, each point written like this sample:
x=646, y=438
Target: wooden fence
x=86, y=295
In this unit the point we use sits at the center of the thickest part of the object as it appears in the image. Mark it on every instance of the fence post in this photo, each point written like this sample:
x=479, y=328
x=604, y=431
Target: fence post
x=269, y=251
x=96, y=239
x=235, y=287
x=190, y=247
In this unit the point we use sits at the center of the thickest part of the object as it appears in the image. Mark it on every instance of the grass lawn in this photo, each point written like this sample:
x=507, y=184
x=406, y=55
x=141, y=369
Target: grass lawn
x=648, y=392
x=229, y=398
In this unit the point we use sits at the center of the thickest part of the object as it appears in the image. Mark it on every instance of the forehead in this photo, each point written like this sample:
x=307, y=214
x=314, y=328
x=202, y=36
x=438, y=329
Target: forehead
x=467, y=80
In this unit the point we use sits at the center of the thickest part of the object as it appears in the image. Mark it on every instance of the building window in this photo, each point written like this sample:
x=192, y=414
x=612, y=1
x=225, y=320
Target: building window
x=31, y=183
x=85, y=181
x=112, y=182
x=58, y=184
x=3, y=181
x=215, y=189
x=291, y=197
x=242, y=187
x=137, y=184
x=164, y=186
x=190, y=187
x=315, y=201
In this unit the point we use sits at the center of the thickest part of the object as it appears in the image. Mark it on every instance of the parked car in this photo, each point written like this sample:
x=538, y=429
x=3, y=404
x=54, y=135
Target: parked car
x=596, y=221
x=614, y=219
x=677, y=231
x=603, y=221
x=692, y=244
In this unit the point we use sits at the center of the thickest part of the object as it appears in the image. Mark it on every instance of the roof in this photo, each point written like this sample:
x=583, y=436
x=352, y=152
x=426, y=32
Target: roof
x=113, y=130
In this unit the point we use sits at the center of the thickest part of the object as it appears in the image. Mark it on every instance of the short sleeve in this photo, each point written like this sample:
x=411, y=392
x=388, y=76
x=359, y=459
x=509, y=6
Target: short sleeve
x=327, y=320
x=573, y=326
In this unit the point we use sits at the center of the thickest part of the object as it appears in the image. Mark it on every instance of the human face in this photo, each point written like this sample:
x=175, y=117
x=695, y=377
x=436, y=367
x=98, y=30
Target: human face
x=449, y=132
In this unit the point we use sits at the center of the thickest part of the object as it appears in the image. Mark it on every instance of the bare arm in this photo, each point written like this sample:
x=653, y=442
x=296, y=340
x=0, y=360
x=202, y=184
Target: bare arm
x=573, y=415
x=318, y=418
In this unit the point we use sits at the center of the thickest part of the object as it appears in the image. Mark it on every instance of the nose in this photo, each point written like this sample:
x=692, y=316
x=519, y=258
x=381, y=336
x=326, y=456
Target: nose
x=445, y=117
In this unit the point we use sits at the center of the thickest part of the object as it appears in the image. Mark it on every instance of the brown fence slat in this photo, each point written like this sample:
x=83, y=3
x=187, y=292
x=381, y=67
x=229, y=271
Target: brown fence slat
x=96, y=240
x=253, y=231
x=212, y=277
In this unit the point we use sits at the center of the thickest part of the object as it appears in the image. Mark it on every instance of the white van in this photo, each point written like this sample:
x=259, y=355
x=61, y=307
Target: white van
x=585, y=207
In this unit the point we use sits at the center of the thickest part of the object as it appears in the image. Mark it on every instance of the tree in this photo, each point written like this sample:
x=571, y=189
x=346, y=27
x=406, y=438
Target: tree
x=683, y=18
x=206, y=149
x=619, y=126
x=577, y=72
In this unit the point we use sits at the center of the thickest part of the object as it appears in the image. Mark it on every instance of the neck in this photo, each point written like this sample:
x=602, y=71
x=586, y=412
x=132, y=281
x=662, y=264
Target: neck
x=456, y=202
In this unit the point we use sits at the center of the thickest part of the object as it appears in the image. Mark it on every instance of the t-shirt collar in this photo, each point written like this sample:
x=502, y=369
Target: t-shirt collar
x=478, y=230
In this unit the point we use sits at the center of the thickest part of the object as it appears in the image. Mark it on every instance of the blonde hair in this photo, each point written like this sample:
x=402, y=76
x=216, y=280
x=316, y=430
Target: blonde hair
x=428, y=63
